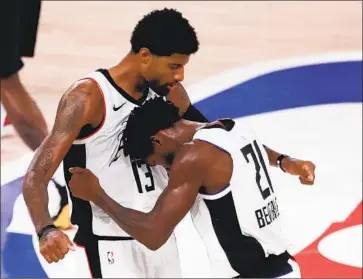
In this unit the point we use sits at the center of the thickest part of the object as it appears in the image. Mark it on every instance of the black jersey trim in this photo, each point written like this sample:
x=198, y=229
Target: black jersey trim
x=244, y=253
x=124, y=94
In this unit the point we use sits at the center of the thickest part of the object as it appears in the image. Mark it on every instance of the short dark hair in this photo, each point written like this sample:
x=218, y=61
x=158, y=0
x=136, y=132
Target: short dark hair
x=144, y=122
x=164, y=32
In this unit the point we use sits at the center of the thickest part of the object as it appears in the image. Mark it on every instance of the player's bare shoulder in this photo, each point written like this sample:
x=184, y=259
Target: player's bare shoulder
x=86, y=90
x=215, y=164
x=196, y=155
x=83, y=99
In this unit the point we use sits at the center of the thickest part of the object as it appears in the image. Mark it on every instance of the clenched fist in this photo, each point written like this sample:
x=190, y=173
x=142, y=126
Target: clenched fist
x=305, y=170
x=54, y=245
x=84, y=184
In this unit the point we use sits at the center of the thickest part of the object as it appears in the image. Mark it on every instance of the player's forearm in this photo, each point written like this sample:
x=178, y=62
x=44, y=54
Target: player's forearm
x=137, y=224
x=272, y=156
x=36, y=199
x=35, y=184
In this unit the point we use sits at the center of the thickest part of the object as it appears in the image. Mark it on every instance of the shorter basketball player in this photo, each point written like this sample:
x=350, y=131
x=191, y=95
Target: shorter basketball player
x=219, y=172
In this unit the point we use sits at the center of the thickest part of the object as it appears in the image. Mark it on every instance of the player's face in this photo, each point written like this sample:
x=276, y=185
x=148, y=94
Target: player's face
x=165, y=147
x=157, y=159
x=162, y=72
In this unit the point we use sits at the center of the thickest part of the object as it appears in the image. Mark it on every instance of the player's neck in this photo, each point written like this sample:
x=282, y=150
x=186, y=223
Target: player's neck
x=189, y=129
x=125, y=74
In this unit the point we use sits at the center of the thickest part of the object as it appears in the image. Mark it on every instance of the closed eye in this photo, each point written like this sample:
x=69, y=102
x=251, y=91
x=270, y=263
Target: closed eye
x=175, y=66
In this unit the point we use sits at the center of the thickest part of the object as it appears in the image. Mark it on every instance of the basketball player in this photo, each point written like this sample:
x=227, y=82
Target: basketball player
x=18, y=40
x=87, y=132
x=235, y=211
x=20, y=20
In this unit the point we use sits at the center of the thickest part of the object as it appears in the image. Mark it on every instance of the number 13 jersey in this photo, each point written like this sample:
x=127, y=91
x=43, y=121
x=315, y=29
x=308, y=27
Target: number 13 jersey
x=240, y=225
x=100, y=149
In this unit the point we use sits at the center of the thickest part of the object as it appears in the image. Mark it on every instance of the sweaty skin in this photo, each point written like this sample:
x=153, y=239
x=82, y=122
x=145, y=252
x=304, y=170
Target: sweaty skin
x=211, y=167
x=82, y=104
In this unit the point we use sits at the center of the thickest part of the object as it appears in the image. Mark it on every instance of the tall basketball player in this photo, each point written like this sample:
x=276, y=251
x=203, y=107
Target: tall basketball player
x=235, y=211
x=87, y=132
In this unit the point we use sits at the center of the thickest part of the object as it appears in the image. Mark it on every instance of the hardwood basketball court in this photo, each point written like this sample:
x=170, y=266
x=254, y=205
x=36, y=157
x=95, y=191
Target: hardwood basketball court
x=76, y=37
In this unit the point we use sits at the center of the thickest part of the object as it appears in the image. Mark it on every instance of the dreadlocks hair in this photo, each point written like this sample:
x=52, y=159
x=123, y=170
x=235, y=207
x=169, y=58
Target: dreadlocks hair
x=143, y=123
x=164, y=32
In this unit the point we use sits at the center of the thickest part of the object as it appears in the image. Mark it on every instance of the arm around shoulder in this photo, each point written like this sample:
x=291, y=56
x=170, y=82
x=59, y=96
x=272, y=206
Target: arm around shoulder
x=154, y=228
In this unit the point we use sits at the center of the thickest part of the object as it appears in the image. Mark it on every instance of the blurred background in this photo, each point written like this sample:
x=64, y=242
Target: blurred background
x=290, y=69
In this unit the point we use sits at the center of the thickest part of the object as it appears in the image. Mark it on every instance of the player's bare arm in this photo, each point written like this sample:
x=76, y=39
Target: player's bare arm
x=305, y=170
x=75, y=109
x=153, y=228
x=179, y=97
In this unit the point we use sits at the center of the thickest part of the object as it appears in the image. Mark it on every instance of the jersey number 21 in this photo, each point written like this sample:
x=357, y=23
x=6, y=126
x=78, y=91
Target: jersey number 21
x=249, y=153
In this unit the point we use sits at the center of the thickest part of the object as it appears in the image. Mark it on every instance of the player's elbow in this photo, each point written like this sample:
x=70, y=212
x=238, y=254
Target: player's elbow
x=153, y=245
x=156, y=243
x=156, y=237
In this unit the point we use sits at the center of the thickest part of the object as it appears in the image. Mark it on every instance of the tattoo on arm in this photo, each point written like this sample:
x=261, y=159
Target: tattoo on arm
x=70, y=111
x=35, y=189
x=43, y=162
x=69, y=117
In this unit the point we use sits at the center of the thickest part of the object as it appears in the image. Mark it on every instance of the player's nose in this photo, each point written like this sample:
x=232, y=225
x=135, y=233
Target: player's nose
x=179, y=76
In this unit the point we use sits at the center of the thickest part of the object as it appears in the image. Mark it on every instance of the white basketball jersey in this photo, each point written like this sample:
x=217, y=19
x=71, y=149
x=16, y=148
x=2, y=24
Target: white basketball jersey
x=247, y=207
x=133, y=185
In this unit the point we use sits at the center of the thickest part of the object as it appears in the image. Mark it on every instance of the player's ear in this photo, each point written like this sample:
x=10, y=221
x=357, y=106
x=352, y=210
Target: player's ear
x=145, y=55
x=155, y=140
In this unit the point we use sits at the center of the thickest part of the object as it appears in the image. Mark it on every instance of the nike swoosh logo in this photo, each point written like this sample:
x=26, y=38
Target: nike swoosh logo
x=117, y=108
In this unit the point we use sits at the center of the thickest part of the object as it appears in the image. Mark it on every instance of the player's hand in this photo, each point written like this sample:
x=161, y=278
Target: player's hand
x=304, y=169
x=84, y=184
x=54, y=245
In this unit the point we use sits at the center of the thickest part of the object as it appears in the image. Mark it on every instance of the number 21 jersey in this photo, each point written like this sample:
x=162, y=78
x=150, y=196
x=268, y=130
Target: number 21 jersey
x=240, y=225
